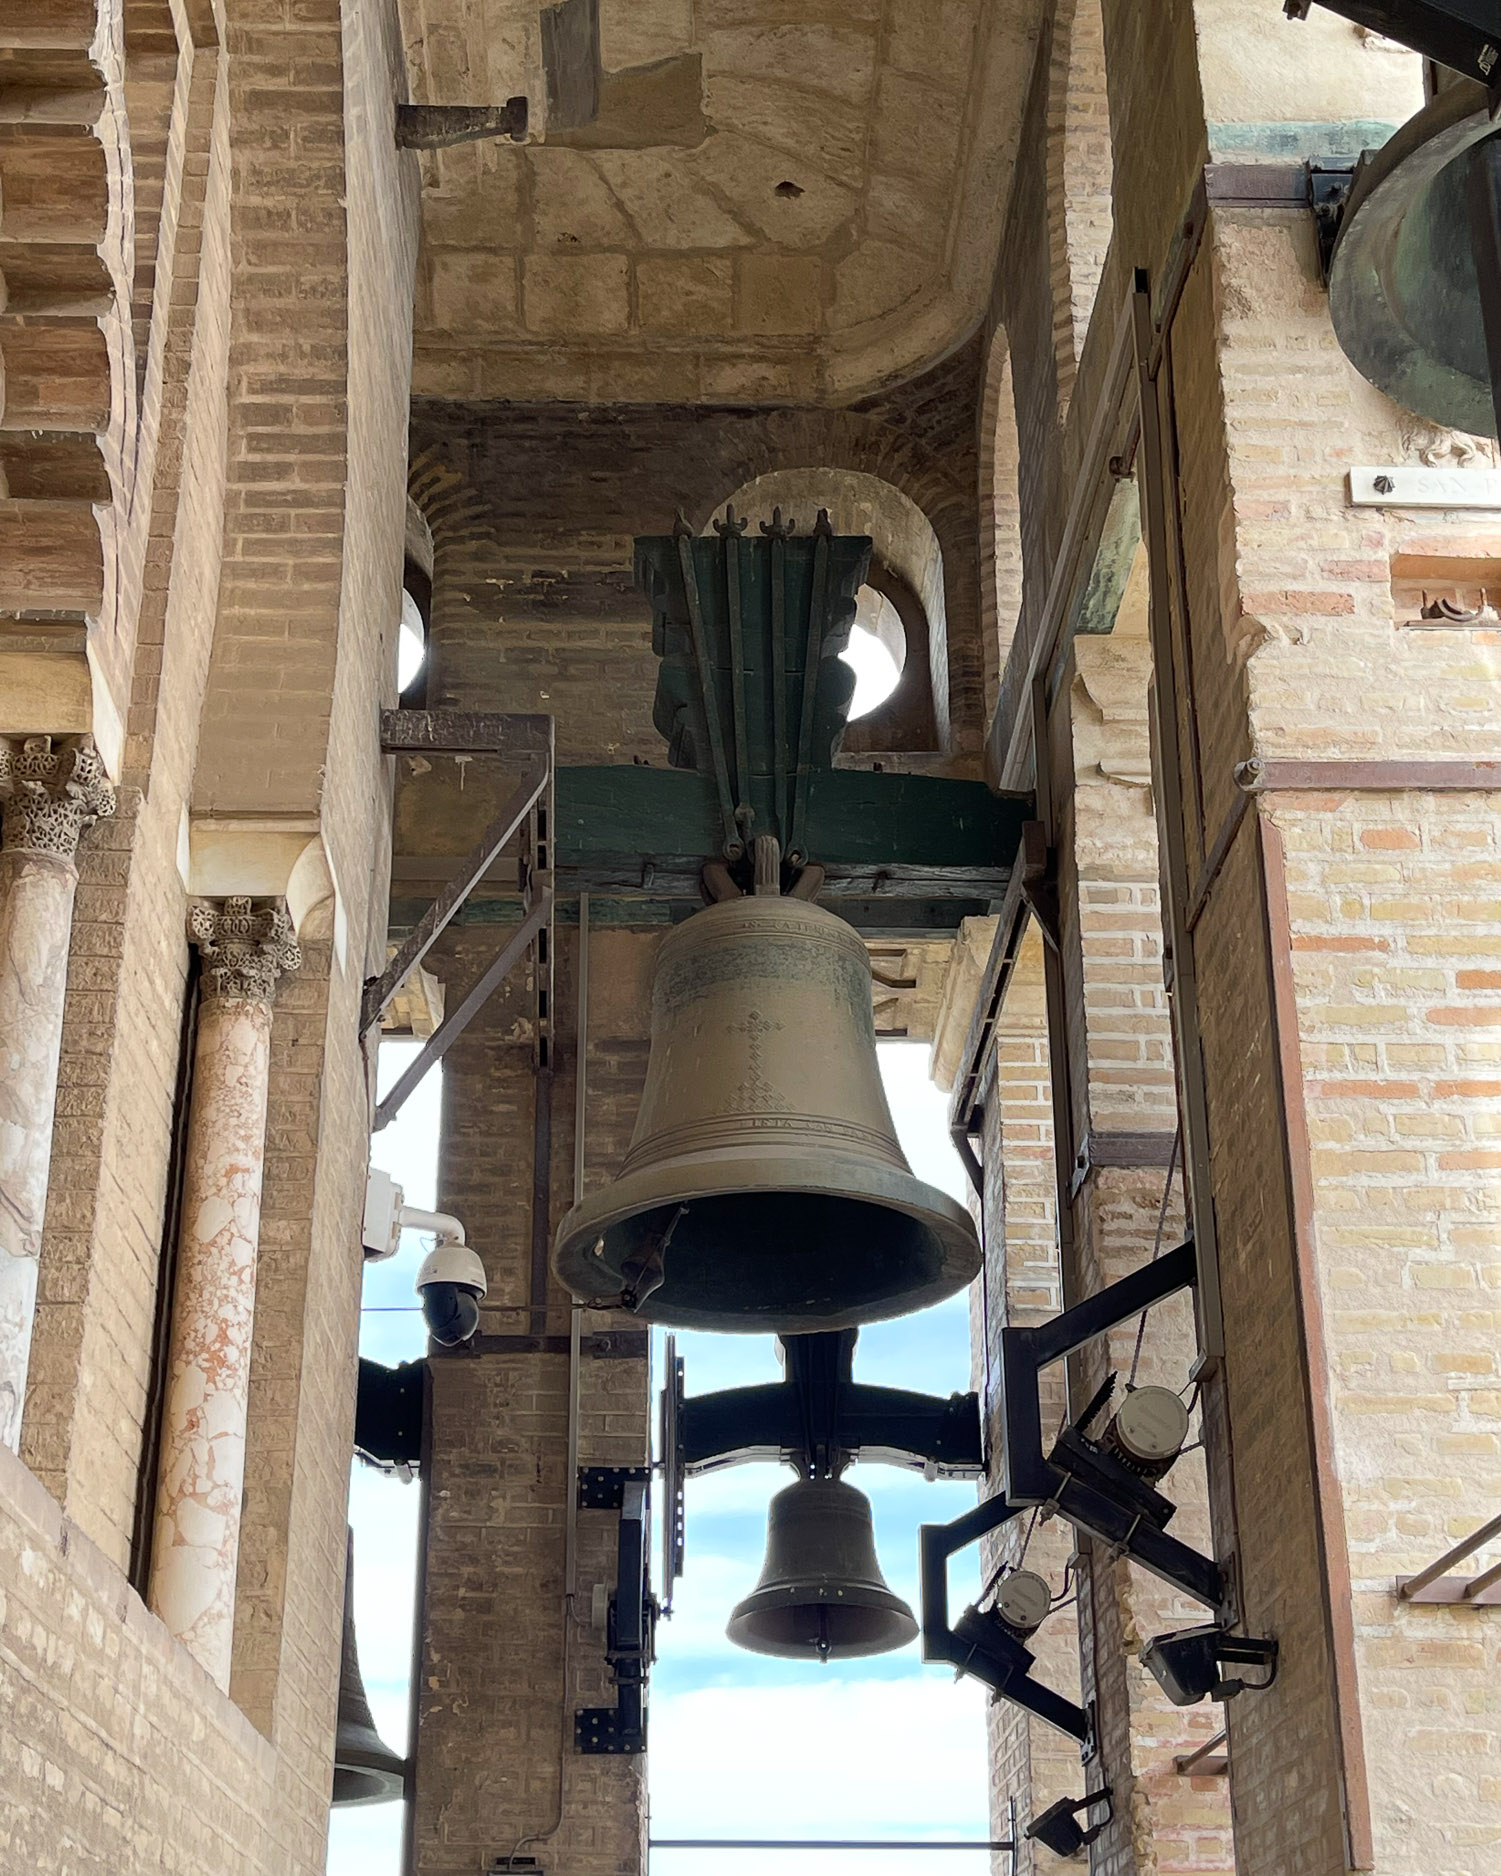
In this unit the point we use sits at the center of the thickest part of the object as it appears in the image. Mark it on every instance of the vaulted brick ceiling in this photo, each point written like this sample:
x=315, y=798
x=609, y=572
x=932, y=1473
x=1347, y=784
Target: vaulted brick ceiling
x=732, y=200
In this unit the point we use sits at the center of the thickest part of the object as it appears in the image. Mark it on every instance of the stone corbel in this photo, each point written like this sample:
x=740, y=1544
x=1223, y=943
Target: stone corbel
x=266, y=857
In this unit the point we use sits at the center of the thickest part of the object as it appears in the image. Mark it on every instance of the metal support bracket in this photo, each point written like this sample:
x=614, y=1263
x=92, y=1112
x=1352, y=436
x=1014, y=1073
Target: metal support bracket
x=1434, y=1584
x=1328, y=191
x=1090, y=1488
x=1039, y=880
x=602, y=1488
x=980, y=1645
x=524, y=740
x=630, y=1641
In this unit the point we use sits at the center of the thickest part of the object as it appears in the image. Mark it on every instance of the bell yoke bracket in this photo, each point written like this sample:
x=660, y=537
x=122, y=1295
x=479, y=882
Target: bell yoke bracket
x=820, y=1419
x=1078, y=1478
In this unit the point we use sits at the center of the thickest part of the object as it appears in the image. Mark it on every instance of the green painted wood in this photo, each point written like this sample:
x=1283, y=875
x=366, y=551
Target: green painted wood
x=856, y=817
x=1099, y=600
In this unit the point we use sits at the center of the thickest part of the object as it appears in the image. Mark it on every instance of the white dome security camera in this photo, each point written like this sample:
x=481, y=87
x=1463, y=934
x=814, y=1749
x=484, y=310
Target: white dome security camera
x=451, y=1282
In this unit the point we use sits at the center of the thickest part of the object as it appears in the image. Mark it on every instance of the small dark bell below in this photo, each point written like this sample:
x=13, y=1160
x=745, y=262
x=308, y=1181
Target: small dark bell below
x=366, y=1770
x=821, y=1595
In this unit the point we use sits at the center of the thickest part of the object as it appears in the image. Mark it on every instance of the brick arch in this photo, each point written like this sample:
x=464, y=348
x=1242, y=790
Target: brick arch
x=1080, y=168
x=862, y=442
x=494, y=479
x=905, y=544
x=1000, y=516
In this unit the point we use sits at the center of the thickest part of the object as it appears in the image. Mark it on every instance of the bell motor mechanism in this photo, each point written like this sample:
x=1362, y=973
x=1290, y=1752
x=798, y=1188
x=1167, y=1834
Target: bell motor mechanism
x=1022, y=1601
x=1148, y=1430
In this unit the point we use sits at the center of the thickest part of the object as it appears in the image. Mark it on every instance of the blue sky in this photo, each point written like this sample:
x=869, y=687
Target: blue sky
x=895, y=1748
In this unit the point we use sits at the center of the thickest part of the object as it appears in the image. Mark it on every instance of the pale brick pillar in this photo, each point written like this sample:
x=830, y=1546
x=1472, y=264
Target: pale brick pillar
x=48, y=795
x=245, y=946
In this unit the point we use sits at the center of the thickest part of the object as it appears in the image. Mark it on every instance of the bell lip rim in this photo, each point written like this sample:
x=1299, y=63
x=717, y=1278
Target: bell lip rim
x=1430, y=140
x=391, y=1778
x=751, y=1607
x=949, y=1222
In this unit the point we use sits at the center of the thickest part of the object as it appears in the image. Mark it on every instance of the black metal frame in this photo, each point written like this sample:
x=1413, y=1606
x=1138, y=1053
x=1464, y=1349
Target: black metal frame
x=981, y=1646
x=1090, y=1488
x=528, y=740
x=630, y=1641
x=1456, y=33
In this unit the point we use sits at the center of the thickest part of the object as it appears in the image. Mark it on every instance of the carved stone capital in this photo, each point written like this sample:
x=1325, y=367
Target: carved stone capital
x=245, y=944
x=50, y=792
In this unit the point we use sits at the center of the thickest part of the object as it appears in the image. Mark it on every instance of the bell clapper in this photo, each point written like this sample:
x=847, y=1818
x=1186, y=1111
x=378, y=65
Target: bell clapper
x=647, y=1273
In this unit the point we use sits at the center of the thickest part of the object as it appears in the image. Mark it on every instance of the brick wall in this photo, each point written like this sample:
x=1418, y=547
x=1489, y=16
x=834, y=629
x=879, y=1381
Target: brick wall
x=1031, y=1764
x=533, y=511
x=128, y=1757
x=497, y=1769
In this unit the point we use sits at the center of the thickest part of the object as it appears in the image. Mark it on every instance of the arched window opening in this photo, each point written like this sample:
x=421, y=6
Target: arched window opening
x=876, y=653
x=1080, y=174
x=1000, y=518
x=415, y=618
x=411, y=643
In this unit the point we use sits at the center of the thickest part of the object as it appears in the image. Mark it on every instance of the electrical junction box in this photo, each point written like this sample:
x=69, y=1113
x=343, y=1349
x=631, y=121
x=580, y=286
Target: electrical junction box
x=382, y=1228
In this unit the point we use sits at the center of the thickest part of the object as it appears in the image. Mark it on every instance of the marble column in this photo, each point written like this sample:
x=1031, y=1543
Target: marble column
x=245, y=945
x=50, y=790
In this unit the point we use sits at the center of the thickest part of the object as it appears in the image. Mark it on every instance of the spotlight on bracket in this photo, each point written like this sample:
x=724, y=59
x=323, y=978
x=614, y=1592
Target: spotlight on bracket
x=1059, y=1830
x=1186, y=1664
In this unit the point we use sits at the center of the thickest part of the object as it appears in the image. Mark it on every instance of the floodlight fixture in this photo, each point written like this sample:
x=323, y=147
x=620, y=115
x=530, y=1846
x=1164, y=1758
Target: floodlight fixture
x=1186, y=1664
x=1058, y=1828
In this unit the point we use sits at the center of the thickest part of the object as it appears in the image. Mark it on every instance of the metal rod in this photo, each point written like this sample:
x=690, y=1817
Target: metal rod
x=1478, y=1585
x=708, y=697
x=779, y=673
x=378, y=994
x=812, y=659
x=737, y=678
x=581, y=1051
x=1169, y=796
x=1186, y=1761
x=454, y=1025
x=824, y=1843
x=1457, y=1555
x=576, y=1314
x=541, y=1196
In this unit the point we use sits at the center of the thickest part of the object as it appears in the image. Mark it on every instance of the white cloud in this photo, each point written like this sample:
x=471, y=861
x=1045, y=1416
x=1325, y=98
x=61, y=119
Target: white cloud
x=829, y=1758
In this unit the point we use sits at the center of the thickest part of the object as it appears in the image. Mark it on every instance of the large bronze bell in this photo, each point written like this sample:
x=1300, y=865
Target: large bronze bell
x=1403, y=291
x=366, y=1770
x=764, y=1188
x=821, y=1592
